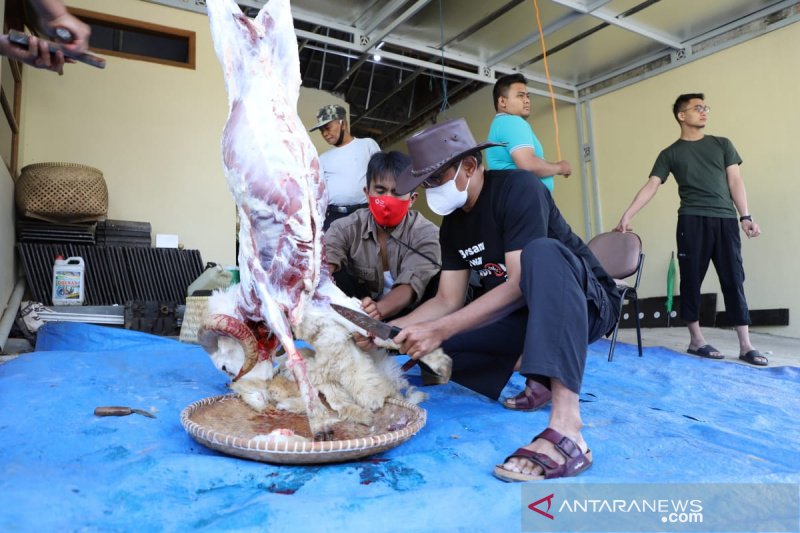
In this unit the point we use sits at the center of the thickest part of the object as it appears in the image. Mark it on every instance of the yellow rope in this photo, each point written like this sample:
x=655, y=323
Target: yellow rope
x=547, y=76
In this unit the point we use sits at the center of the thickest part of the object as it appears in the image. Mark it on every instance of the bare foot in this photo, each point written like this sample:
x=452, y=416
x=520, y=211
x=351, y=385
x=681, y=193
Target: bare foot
x=540, y=445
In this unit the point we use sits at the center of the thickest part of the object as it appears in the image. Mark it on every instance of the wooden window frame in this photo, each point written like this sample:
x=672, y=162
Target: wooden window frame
x=143, y=27
x=11, y=111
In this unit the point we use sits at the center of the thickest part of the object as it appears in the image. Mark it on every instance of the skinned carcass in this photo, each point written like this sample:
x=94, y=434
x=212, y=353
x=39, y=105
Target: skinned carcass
x=285, y=289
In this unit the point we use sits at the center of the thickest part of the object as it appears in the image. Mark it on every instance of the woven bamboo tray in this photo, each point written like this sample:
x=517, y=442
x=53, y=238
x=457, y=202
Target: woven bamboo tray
x=228, y=425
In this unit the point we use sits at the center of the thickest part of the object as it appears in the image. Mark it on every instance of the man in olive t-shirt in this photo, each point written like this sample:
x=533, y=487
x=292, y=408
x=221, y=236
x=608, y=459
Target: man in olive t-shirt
x=711, y=190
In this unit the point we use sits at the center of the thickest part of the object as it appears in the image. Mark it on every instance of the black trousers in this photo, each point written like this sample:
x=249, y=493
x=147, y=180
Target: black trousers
x=704, y=239
x=567, y=308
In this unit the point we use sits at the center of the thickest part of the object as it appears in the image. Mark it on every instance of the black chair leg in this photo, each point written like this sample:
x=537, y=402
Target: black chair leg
x=616, y=329
x=635, y=299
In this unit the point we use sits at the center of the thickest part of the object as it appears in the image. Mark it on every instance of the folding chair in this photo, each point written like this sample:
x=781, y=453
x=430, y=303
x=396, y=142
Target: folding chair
x=620, y=254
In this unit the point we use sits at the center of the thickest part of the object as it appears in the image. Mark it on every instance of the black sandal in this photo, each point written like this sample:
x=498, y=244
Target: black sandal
x=754, y=357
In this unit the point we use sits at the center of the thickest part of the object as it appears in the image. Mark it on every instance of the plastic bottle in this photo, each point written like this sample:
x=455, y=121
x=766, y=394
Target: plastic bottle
x=68, y=282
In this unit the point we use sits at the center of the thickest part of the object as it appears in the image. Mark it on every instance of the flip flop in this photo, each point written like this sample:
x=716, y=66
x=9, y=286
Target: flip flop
x=754, y=357
x=576, y=460
x=707, y=351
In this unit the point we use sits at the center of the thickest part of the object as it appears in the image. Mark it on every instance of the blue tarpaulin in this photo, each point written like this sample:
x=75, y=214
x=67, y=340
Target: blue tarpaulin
x=661, y=418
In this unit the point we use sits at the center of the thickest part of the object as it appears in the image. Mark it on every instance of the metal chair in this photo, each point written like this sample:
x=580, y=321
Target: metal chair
x=620, y=254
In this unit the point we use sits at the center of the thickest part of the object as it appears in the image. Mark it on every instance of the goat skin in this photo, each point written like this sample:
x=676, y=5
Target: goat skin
x=273, y=173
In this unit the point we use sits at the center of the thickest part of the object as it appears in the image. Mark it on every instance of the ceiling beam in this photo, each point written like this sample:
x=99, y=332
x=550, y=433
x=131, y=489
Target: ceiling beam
x=434, y=66
x=612, y=18
x=374, y=38
x=763, y=21
x=437, y=68
x=485, y=21
x=533, y=38
x=425, y=110
x=410, y=78
x=491, y=17
x=416, y=46
x=369, y=41
x=382, y=15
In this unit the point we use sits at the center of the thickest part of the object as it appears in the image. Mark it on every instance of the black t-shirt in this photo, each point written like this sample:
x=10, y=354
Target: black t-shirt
x=512, y=210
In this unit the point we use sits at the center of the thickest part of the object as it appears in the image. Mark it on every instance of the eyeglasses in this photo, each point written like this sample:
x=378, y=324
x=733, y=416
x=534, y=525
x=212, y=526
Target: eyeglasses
x=436, y=179
x=698, y=108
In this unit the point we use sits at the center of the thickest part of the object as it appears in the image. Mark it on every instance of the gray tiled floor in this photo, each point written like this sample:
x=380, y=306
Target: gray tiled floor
x=781, y=351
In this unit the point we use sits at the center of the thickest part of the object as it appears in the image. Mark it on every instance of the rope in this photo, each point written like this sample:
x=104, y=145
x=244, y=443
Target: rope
x=445, y=103
x=547, y=77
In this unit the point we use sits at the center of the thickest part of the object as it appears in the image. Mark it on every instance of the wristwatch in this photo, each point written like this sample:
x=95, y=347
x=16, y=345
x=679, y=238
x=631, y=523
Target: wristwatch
x=746, y=217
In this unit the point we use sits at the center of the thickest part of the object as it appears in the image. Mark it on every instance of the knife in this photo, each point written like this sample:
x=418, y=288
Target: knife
x=380, y=329
x=21, y=39
x=121, y=411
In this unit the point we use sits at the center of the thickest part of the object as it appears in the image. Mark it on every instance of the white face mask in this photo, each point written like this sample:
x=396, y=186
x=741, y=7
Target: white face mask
x=446, y=198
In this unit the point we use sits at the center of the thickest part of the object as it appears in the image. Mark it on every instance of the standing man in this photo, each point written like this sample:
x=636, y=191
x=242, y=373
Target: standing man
x=344, y=166
x=711, y=190
x=386, y=254
x=544, y=295
x=522, y=148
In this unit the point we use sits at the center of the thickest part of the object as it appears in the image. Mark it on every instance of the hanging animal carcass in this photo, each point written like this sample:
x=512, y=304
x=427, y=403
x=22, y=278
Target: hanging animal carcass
x=285, y=291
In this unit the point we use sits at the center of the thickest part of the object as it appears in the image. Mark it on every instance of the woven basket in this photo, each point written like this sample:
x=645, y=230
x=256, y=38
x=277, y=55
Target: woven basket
x=62, y=192
x=193, y=318
x=228, y=425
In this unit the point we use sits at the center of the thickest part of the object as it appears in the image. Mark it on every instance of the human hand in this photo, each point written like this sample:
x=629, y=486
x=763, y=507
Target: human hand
x=565, y=168
x=419, y=340
x=370, y=307
x=37, y=54
x=624, y=224
x=750, y=228
x=79, y=31
x=364, y=343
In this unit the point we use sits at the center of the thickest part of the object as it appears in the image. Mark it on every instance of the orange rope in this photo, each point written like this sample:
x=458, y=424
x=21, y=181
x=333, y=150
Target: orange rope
x=547, y=76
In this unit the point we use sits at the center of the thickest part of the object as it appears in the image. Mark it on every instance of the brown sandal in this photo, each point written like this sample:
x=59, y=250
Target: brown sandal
x=576, y=460
x=532, y=398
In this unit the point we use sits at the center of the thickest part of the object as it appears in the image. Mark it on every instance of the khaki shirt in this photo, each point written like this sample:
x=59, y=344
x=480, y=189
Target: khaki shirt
x=351, y=243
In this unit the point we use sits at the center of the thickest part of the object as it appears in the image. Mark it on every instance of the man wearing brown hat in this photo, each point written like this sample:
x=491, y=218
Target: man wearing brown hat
x=543, y=294
x=344, y=166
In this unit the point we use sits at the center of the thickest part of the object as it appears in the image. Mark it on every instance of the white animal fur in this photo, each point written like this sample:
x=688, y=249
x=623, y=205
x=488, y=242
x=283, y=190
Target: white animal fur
x=353, y=382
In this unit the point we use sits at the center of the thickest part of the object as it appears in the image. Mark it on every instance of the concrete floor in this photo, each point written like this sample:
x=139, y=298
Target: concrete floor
x=781, y=351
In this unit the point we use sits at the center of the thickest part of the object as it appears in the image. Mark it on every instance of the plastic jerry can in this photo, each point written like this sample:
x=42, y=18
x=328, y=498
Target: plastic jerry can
x=68, y=281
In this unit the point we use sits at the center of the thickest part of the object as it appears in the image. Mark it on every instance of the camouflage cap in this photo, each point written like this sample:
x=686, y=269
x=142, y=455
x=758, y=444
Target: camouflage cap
x=328, y=113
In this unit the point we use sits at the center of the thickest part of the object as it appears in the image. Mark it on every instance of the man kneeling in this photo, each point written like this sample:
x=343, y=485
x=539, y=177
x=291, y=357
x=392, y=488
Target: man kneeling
x=386, y=255
x=543, y=292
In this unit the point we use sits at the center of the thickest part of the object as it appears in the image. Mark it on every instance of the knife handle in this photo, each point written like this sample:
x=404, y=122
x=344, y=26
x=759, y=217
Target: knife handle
x=393, y=332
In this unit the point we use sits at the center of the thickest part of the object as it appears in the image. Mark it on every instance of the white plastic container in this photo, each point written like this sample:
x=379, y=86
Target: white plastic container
x=68, y=281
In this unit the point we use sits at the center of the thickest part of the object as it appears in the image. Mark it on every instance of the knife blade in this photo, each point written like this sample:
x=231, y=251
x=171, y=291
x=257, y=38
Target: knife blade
x=21, y=39
x=121, y=411
x=380, y=329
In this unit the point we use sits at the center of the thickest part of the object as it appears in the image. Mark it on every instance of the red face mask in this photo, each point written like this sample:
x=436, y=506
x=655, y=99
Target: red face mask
x=388, y=210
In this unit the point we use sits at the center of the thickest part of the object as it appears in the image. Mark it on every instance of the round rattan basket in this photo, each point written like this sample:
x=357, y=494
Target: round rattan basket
x=61, y=192
x=227, y=424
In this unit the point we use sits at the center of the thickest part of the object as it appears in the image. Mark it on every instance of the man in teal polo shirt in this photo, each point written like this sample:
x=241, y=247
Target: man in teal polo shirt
x=522, y=148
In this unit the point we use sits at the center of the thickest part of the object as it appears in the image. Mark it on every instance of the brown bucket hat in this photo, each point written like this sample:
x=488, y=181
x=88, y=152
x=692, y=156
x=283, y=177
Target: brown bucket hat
x=435, y=148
